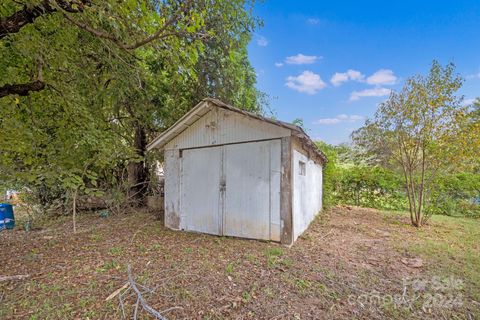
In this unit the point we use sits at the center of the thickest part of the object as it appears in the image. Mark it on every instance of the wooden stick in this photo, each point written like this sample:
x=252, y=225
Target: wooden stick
x=116, y=292
x=17, y=277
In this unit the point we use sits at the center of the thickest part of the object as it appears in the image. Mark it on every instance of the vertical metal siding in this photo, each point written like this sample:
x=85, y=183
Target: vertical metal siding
x=307, y=193
x=232, y=190
x=200, y=193
x=222, y=127
x=250, y=204
x=275, y=175
x=172, y=189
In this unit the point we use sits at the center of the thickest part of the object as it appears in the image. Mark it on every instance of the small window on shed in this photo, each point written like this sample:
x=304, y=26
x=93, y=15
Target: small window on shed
x=302, y=168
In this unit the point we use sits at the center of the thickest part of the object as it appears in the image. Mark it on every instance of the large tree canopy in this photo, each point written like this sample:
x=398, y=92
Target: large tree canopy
x=85, y=84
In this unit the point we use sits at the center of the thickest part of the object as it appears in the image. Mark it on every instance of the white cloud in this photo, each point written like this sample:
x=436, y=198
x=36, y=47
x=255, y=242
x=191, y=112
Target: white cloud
x=382, y=77
x=302, y=59
x=374, y=92
x=327, y=121
x=262, y=41
x=340, y=118
x=468, y=102
x=473, y=76
x=278, y=64
x=340, y=77
x=313, y=21
x=307, y=82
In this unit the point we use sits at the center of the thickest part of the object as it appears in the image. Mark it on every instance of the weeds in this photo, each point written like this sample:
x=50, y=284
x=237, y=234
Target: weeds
x=229, y=268
x=115, y=251
x=109, y=265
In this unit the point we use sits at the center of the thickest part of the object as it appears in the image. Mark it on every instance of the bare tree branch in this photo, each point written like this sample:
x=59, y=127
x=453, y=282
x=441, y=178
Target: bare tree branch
x=162, y=33
x=24, y=89
x=28, y=14
x=140, y=298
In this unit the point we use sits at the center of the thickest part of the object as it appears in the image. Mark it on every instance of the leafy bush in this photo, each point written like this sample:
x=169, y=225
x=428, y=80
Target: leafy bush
x=348, y=179
x=372, y=187
x=456, y=195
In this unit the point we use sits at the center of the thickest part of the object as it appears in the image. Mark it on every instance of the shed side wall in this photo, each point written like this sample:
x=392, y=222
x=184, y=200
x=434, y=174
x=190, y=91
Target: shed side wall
x=307, y=191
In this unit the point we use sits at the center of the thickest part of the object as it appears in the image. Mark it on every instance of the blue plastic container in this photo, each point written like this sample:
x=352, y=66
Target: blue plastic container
x=7, y=220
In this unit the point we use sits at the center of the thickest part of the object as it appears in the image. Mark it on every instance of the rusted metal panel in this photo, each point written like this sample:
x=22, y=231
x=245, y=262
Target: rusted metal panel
x=200, y=193
x=307, y=191
x=286, y=192
x=220, y=126
x=250, y=204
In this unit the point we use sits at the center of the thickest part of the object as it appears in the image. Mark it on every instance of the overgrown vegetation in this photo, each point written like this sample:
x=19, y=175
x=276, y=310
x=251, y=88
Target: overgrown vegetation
x=352, y=182
x=86, y=84
x=418, y=132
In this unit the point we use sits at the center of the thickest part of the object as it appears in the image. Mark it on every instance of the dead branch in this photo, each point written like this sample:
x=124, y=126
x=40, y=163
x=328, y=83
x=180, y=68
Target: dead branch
x=326, y=234
x=131, y=289
x=17, y=277
x=116, y=292
x=142, y=301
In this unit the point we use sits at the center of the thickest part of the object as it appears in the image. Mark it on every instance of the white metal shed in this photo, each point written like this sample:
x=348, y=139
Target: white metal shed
x=234, y=173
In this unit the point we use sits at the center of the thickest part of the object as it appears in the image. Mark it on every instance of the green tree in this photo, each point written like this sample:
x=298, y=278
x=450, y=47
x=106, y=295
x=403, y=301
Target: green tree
x=416, y=130
x=114, y=74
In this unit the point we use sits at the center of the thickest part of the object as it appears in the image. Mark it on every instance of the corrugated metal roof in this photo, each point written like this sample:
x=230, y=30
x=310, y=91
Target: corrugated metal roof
x=208, y=104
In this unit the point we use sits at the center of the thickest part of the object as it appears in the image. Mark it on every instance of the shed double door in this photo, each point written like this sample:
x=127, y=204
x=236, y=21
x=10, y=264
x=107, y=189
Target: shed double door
x=233, y=190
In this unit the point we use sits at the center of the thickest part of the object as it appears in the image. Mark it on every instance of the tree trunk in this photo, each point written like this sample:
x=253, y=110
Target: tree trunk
x=75, y=211
x=407, y=185
x=421, y=191
x=138, y=171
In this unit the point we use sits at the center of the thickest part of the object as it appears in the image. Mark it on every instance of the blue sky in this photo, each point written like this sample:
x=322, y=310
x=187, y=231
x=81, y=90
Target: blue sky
x=331, y=62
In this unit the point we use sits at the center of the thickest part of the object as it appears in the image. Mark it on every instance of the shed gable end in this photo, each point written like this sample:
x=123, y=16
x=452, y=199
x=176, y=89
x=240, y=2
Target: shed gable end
x=220, y=126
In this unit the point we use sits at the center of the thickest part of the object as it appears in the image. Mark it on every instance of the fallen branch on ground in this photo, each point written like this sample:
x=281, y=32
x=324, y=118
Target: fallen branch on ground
x=326, y=234
x=116, y=292
x=140, y=298
x=132, y=288
x=17, y=277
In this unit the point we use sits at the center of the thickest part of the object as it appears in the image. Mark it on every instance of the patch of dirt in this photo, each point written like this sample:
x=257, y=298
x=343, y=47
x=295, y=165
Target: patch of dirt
x=345, y=253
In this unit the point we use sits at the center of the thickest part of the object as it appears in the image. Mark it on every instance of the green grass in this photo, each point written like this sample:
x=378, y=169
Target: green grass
x=450, y=246
x=274, y=256
x=453, y=245
x=229, y=268
x=115, y=251
x=109, y=265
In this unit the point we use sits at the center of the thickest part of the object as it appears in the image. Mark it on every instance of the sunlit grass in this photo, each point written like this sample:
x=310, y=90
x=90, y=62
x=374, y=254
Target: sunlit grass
x=451, y=246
